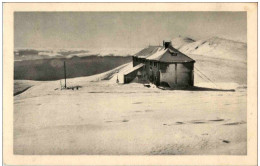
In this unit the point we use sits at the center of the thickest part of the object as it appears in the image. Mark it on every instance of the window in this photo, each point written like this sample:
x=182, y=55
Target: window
x=163, y=67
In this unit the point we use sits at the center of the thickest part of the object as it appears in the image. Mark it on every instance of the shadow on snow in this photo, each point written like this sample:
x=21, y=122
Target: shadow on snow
x=197, y=88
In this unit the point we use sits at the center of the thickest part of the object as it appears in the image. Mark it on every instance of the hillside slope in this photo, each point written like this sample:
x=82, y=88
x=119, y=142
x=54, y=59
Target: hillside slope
x=218, y=60
x=214, y=47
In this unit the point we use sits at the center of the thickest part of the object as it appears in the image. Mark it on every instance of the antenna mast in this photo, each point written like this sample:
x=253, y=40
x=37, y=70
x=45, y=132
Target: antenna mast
x=65, y=73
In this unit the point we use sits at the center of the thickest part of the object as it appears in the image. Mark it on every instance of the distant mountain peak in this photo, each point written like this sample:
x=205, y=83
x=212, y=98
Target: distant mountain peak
x=181, y=41
x=184, y=38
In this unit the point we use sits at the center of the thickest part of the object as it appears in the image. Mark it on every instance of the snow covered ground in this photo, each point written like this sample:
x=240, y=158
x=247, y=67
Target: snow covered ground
x=104, y=117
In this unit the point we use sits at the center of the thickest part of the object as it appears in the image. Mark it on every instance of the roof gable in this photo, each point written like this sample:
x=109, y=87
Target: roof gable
x=174, y=55
x=179, y=57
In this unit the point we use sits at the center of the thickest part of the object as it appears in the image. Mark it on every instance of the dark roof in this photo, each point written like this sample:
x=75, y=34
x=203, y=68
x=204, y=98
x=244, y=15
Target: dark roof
x=159, y=53
x=147, y=51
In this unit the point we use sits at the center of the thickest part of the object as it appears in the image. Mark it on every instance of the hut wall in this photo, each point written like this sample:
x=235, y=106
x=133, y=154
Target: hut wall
x=183, y=75
x=135, y=61
x=177, y=75
x=153, y=72
x=147, y=68
x=145, y=71
x=168, y=75
x=131, y=76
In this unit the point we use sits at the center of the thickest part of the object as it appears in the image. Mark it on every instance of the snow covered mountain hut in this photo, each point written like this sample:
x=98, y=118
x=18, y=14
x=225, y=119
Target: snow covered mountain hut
x=163, y=65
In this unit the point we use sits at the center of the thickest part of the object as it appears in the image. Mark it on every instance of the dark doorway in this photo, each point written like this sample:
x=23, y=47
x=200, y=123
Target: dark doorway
x=157, y=78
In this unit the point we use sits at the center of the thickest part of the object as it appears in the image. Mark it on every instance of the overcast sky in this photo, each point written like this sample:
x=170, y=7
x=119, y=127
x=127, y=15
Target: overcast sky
x=122, y=29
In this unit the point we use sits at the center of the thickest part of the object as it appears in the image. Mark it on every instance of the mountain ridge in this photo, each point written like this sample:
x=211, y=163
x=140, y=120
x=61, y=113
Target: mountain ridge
x=212, y=47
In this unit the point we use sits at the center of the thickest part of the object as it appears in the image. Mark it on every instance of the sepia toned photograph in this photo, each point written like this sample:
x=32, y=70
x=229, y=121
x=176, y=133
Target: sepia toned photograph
x=131, y=83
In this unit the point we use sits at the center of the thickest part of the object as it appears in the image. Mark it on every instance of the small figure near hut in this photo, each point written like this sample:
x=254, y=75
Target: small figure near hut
x=117, y=80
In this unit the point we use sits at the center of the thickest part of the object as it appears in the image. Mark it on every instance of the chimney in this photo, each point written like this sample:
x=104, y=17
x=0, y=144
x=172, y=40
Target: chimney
x=166, y=44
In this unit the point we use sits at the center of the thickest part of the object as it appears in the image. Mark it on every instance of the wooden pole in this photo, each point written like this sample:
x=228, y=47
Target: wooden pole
x=176, y=73
x=65, y=73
